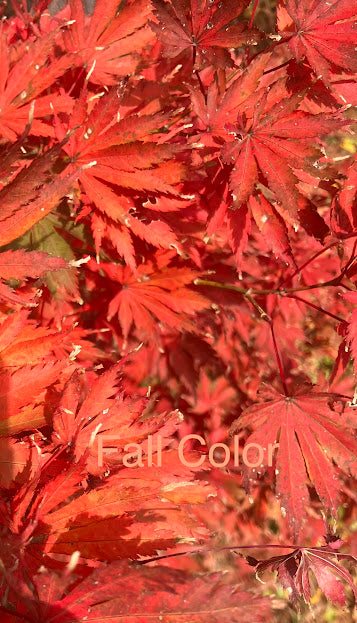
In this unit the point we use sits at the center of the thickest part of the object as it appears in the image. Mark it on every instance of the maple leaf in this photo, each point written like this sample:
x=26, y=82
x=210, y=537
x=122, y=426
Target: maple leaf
x=322, y=32
x=104, y=43
x=33, y=193
x=271, y=139
x=293, y=571
x=313, y=435
x=32, y=73
x=120, y=591
x=80, y=424
x=23, y=343
x=130, y=163
x=115, y=521
x=261, y=133
x=213, y=112
x=53, y=514
x=152, y=294
x=25, y=386
x=202, y=29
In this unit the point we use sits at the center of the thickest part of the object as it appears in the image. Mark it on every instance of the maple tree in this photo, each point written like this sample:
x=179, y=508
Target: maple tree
x=178, y=263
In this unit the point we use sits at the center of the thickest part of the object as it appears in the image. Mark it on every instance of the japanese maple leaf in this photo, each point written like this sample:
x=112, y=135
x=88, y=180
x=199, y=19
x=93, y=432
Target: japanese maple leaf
x=261, y=133
x=21, y=390
x=34, y=192
x=108, y=42
x=293, y=571
x=130, y=163
x=122, y=592
x=152, y=294
x=84, y=425
x=321, y=31
x=214, y=112
x=23, y=343
x=167, y=593
x=27, y=78
x=20, y=265
x=313, y=435
x=202, y=29
x=270, y=141
x=116, y=520
x=54, y=514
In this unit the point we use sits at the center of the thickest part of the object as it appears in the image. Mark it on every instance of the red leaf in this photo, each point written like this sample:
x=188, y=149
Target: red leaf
x=25, y=386
x=121, y=592
x=311, y=434
x=201, y=29
x=293, y=571
x=272, y=139
x=151, y=295
x=105, y=43
x=272, y=227
x=324, y=33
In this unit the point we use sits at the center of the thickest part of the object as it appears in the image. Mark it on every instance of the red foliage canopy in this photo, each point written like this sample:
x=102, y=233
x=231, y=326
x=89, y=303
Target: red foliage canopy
x=178, y=257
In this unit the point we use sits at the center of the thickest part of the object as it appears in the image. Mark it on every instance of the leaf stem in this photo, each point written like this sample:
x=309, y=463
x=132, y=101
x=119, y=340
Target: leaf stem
x=278, y=359
x=253, y=13
x=269, y=71
x=264, y=316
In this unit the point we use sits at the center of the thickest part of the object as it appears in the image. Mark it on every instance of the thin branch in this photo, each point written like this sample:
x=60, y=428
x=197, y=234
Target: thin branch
x=260, y=310
x=320, y=252
x=278, y=359
x=263, y=315
x=252, y=291
x=232, y=548
x=320, y=309
x=311, y=259
x=218, y=549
